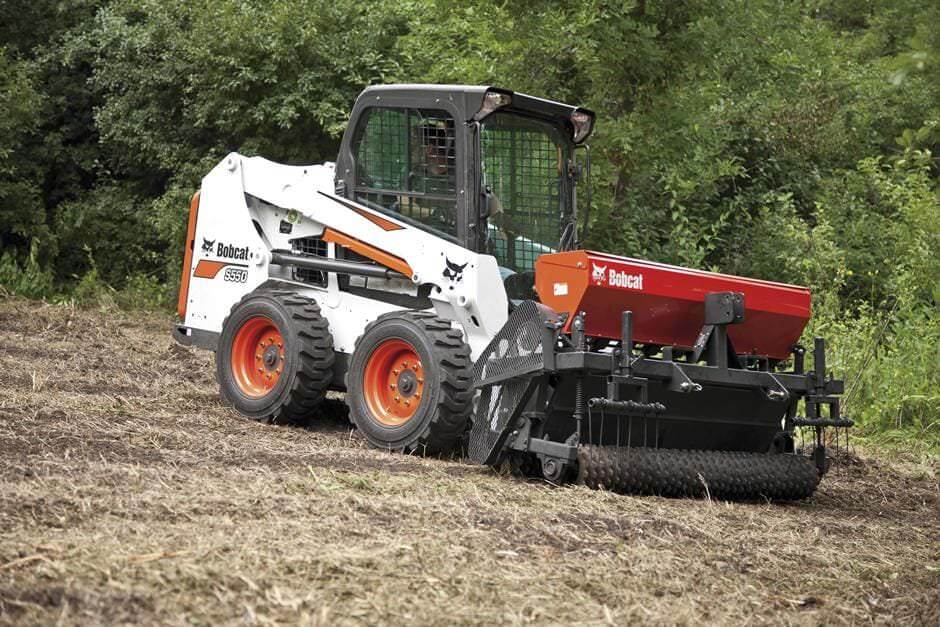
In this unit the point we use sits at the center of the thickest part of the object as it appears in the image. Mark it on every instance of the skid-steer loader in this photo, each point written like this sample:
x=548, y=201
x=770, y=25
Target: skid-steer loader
x=433, y=274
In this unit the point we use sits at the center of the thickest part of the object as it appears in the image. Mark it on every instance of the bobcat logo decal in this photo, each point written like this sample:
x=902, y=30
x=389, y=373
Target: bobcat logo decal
x=598, y=273
x=453, y=271
x=207, y=245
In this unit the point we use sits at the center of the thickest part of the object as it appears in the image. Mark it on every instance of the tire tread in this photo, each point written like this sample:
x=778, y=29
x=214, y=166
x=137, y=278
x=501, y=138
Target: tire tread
x=451, y=355
x=315, y=355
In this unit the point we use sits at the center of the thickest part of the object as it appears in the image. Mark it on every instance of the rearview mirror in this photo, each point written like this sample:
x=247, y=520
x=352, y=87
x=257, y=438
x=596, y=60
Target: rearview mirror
x=490, y=204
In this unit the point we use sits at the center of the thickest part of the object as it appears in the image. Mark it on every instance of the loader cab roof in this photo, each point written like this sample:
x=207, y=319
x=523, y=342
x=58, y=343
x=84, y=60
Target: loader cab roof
x=469, y=101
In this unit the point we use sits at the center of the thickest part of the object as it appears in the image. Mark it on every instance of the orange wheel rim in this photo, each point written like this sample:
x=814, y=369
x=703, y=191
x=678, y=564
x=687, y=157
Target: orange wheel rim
x=393, y=382
x=257, y=356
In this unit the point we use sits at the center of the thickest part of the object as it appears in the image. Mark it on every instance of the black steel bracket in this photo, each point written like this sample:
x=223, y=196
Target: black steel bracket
x=679, y=381
x=560, y=450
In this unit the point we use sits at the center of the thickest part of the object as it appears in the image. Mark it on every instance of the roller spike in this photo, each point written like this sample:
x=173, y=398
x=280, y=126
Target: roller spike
x=725, y=475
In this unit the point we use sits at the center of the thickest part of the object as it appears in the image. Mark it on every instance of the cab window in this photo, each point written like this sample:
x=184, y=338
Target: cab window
x=525, y=169
x=406, y=164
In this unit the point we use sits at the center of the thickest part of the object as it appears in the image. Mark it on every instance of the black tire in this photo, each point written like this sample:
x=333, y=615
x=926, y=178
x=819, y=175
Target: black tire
x=441, y=415
x=306, y=360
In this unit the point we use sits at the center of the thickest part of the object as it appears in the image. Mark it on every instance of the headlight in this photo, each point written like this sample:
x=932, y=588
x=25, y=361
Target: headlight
x=583, y=123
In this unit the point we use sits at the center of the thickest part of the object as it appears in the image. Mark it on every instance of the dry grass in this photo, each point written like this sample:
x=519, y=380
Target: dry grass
x=128, y=493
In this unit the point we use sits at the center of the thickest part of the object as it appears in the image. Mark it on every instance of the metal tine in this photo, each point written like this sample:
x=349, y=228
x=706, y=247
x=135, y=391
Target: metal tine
x=590, y=426
x=618, y=430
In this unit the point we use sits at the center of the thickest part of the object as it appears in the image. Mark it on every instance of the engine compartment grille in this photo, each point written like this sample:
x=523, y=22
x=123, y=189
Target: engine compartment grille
x=309, y=246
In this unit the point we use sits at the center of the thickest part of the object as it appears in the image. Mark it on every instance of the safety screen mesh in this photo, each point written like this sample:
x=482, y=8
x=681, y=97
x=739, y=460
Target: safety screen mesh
x=504, y=375
x=524, y=167
x=406, y=163
x=495, y=409
x=517, y=347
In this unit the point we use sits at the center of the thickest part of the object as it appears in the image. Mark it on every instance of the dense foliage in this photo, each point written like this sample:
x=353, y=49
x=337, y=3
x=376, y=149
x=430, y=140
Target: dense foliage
x=783, y=140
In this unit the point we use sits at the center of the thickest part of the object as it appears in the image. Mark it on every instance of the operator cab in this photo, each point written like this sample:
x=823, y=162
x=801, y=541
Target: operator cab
x=491, y=170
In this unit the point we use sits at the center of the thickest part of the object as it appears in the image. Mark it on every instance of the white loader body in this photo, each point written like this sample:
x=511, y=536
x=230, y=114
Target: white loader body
x=249, y=207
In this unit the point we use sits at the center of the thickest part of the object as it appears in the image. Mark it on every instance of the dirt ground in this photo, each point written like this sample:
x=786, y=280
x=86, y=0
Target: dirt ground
x=128, y=493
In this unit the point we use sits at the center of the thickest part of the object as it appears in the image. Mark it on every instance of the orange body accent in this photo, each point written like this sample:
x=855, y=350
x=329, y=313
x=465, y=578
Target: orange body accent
x=188, y=256
x=257, y=356
x=367, y=250
x=393, y=382
x=206, y=269
x=388, y=225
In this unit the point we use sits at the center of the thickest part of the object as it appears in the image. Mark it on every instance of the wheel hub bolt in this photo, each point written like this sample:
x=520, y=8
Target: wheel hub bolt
x=270, y=358
x=407, y=383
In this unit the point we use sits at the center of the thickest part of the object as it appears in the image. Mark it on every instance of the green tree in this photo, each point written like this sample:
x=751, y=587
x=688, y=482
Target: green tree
x=22, y=218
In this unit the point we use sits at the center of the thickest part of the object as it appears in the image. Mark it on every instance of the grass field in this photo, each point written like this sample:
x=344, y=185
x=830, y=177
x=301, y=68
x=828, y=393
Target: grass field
x=128, y=493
